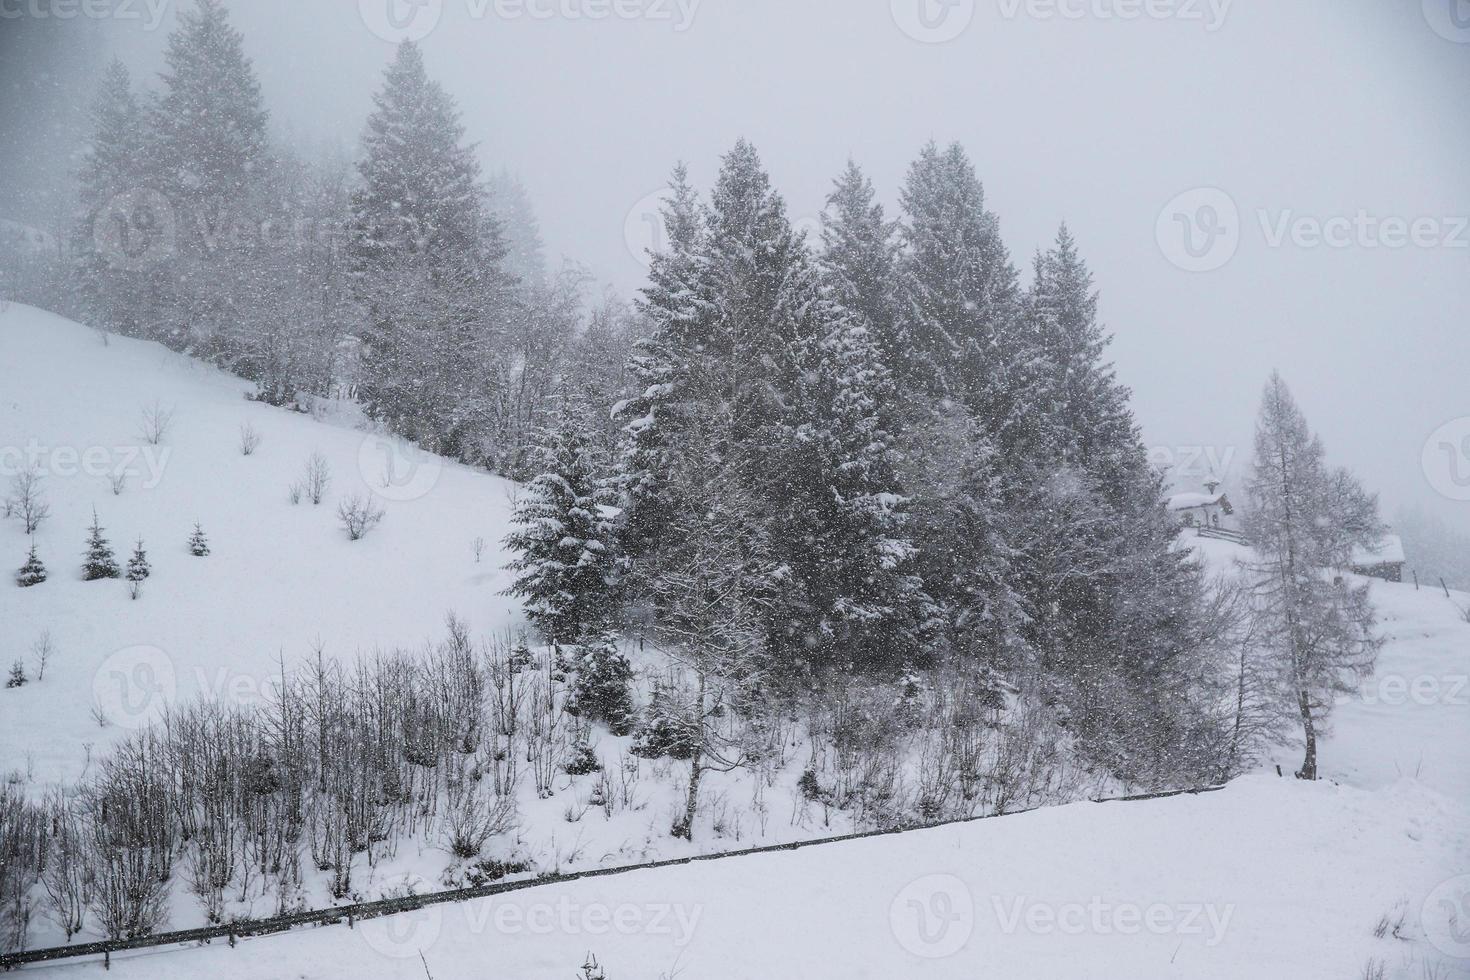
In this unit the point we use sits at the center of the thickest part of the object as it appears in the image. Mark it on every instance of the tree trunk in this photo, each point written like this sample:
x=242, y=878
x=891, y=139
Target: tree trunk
x=1309, y=765
x=685, y=828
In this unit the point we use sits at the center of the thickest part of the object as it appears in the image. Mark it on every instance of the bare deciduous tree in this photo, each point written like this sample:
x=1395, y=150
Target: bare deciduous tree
x=25, y=500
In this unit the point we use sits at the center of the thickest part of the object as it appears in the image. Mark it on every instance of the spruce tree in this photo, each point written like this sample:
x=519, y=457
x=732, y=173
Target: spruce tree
x=509, y=203
x=844, y=512
x=198, y=543
x=211, y=120
x=207, y=152
x=1078, y=408
x=426, y=257
x=138, y=570
x=959, y=295
x=565, y=562
x=1304, y=518
x=662, y=367
x=33, y=572
x=114, y=296
x=99, y=561
x=600, y=685
x=859, y=258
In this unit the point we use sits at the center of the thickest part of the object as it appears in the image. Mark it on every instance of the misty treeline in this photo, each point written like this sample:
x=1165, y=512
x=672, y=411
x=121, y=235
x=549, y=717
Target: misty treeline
x=405, y=279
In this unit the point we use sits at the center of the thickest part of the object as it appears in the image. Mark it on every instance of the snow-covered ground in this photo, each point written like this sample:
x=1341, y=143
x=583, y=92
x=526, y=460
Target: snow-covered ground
x=1268, y=878
x=280, y=577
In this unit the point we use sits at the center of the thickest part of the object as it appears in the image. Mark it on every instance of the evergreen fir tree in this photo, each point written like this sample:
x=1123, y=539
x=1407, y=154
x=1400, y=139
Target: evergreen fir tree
x=207, y=153
x=525, y=256
x=666, y=728
x=565, y=562
x=426, y=258
x=33, y=572
x=211, y=120
x=198, y=543
x=958, y=293
x=859, y=258
x=17, y=676
x=115, y=297
x=600, y=685
x=845, y=512
x=662, y=368
x=138, y=570
x=100, y=561
x=1075, y=395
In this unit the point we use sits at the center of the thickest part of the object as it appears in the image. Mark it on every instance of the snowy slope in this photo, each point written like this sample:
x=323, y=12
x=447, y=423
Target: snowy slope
x=280, y=577
x=1266, y=879
x=1412, y=717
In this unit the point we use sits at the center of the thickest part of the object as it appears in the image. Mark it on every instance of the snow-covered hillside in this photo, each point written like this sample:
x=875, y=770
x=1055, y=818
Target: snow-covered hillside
x=280, y=578
x=1267, y=878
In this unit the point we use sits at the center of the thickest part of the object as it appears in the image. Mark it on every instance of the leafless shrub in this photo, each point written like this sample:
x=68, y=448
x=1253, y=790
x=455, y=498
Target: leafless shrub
x=68, y=879
x=25, y=500
x=358, y=516
x=478, y=547
x=132, y=838
x=118, y=482
x=545, y=732
x=316, y=478
x=23, y=844
x=474, y=813
x=1374, y=969
x=249, y=439
x=155, y=423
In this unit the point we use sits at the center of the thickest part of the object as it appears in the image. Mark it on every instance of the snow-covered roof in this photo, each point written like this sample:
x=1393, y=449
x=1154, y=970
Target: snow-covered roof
x=1389, y=550
x=1184, y=501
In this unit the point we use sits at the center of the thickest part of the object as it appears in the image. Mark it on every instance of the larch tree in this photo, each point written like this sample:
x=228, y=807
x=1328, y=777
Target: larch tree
x=1304, y=519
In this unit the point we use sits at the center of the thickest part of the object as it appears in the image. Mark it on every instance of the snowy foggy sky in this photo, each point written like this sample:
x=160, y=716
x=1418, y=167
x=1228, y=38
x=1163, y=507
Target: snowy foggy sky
x=1299, y=108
